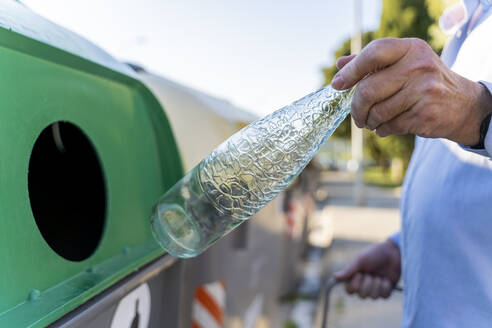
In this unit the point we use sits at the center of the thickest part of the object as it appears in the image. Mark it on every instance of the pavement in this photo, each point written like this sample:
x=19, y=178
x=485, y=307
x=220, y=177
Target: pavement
x=352, y=228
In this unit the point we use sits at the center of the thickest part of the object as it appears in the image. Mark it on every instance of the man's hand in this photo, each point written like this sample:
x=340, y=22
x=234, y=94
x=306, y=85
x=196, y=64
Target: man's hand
x=404, y=87
x=374, y=272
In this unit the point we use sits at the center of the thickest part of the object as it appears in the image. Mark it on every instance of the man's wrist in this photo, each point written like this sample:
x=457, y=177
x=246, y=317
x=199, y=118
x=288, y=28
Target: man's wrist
x=484, y=129
x=483, y=108
x=392, y=248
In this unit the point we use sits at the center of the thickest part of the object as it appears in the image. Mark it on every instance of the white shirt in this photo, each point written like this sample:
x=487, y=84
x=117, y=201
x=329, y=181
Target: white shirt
x=446, y=209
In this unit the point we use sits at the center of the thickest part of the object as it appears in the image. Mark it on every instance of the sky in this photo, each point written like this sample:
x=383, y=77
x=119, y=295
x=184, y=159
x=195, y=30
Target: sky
x=260, y=55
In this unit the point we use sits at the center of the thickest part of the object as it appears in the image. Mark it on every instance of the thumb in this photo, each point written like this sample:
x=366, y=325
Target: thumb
x=348, y=272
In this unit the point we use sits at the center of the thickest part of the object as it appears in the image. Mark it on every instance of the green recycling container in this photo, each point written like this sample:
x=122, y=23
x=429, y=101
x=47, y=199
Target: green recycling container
x=86, y=151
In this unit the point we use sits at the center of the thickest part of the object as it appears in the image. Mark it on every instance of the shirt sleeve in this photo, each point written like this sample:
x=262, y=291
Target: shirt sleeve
x=487, y=150
x=396, y=238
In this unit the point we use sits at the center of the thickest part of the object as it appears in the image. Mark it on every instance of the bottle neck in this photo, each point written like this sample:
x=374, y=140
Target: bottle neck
x=345, y=95
x=336, y=102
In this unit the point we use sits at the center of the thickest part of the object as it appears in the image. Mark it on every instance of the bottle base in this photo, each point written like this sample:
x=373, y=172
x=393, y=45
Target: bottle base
x=175, y=231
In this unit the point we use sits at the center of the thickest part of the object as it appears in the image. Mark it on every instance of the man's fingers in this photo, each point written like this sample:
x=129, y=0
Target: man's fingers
x=342, y=61
x=402, y=124
x=348, y=272
x=375, y=288
x=386, y=288
x=374, y=89
x=386, y=110
x=376, y=55
x=366, y=286
x=353, y=285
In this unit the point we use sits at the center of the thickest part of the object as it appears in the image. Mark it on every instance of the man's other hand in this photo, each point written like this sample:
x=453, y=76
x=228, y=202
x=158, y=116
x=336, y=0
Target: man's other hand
x=404, y=87
x=374, y=272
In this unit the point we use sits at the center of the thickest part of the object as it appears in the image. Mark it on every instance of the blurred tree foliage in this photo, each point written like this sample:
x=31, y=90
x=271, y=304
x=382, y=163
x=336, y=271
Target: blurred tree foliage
x=400, y=18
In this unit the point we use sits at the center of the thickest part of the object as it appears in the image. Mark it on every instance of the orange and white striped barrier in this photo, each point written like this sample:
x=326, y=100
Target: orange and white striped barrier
x=209, y=305
x=290, y=220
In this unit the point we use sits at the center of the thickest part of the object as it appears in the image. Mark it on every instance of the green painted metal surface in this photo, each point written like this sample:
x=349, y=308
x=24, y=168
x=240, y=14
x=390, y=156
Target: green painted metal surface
x=39, y=85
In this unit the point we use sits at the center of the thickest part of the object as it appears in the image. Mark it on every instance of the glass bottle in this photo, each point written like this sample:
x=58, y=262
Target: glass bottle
x=246, y=172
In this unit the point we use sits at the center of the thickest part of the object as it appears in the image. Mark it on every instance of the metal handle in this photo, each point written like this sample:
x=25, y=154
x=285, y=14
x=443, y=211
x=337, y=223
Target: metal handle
x=332, y=282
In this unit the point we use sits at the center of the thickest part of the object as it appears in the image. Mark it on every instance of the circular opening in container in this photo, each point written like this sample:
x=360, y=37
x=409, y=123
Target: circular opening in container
x=67, y=191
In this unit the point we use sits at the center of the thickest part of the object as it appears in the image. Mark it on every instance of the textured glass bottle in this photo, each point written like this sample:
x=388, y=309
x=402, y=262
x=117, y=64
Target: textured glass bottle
x=246, y=172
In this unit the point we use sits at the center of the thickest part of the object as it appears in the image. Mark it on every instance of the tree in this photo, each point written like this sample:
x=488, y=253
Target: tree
x=400, y=18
